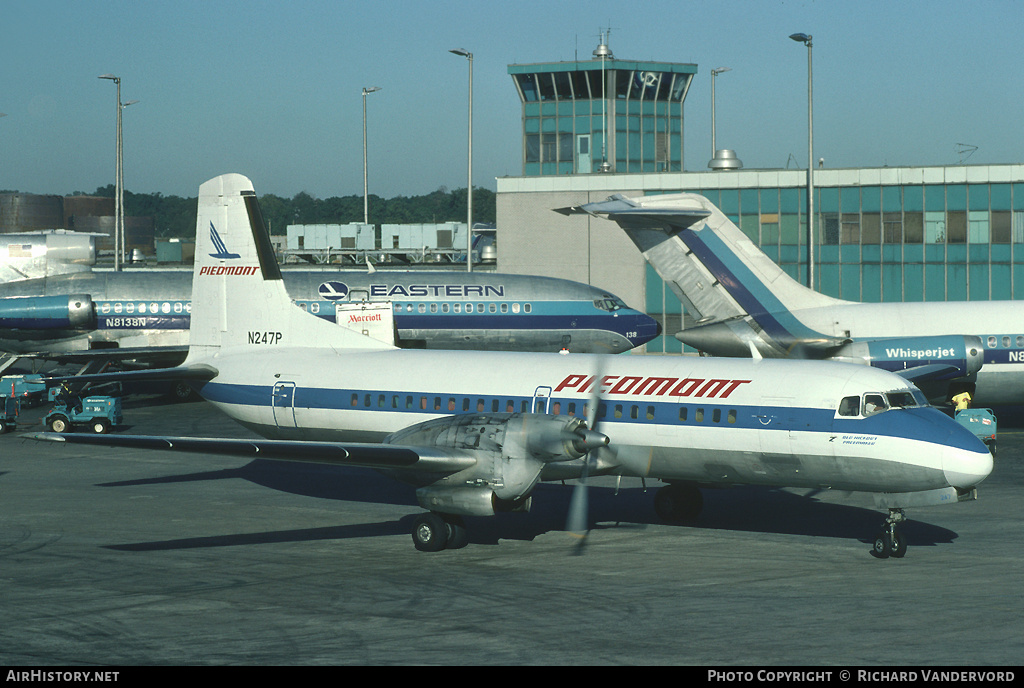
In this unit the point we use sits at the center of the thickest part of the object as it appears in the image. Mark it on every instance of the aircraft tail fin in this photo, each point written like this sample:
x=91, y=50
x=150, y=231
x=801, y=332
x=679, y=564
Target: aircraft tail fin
x=238, y=294
x=710, y=264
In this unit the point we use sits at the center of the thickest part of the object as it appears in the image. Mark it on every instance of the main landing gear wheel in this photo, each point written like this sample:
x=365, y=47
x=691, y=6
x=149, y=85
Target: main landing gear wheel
x=435, y=532
x=678, y=502
x=891, y=542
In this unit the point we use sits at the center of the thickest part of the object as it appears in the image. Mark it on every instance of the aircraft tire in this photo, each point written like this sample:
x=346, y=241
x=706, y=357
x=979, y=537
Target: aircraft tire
x=887, y=545
x=430, y=533
x=880, y=548
x=458, y=536
x=60, y=424
x=897, y=545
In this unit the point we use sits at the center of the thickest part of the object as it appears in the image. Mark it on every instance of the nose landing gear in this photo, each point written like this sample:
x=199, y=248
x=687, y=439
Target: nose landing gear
x=890, y=541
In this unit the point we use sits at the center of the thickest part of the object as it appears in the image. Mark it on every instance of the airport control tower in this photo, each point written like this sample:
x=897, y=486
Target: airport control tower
x=602, y=115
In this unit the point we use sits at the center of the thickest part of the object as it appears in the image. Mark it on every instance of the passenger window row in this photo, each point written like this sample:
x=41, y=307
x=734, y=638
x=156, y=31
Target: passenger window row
x=435, y=307
x=994, y=341
x=451, y=404
x=155, y=308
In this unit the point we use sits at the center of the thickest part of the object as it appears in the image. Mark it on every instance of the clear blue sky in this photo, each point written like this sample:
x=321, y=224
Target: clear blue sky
x=272, y=90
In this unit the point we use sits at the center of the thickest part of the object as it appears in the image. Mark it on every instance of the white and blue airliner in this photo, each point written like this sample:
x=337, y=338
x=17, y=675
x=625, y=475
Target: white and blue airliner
x=145, y=314
x=475, y=431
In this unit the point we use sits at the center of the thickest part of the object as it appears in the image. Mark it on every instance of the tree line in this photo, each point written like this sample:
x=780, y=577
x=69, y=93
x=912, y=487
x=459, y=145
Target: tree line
x=174, y=216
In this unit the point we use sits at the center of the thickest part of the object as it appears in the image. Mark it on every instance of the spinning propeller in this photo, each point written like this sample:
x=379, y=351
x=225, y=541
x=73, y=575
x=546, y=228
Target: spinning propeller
x=578, y=522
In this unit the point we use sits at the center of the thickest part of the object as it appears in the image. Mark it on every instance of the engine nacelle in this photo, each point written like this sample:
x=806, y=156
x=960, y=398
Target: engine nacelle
x=511, y=450
x=74, y=312
x=963, y=352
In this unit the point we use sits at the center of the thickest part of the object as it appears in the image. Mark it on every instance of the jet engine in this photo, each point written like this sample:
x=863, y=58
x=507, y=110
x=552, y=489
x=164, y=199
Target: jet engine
x=511, y=451
x=961, y=355
x=47, y=312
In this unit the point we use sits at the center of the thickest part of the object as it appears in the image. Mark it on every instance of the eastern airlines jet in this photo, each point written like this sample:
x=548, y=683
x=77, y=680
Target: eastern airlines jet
x=748, y=306
x=476, y=431
x=145, y=314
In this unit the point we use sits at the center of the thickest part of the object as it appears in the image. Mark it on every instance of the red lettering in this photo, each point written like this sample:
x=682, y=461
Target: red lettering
x=655, y=386
x=733, y=384
x=686, y=387
x=624, y=385
x=570, y=381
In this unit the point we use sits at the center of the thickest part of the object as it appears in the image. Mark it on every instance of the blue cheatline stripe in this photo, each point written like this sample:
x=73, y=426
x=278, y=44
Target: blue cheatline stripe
x=743, y=285
x=913, y=424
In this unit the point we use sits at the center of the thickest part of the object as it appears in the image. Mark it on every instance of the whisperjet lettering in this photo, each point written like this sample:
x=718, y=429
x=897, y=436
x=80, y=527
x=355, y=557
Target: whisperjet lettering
x=651, y=386
x=452, y=290
x=919, y=353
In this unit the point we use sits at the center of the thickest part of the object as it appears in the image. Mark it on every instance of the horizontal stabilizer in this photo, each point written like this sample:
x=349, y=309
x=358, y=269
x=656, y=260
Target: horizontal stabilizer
x=935, y=371
x=625, y=211
x=331, y=453
x=194, y=372
x=140, y=355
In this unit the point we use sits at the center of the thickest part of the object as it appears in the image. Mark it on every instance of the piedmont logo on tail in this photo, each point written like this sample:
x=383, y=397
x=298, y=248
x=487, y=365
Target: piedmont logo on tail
x=218, y=243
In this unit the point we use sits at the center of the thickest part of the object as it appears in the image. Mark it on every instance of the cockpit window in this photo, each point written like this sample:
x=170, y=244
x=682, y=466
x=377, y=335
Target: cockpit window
x=609, y=303
x=902, y=399
x=849, y=406
x=874, y=403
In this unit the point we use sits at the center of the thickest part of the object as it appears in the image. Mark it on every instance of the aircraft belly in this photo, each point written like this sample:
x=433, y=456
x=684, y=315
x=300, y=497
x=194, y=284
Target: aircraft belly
x=801, y=459
x=786, y=470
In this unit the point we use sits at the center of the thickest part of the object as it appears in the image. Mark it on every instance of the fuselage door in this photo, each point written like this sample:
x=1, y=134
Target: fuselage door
x=541, y=400
x=283, y=403
x=776, y=424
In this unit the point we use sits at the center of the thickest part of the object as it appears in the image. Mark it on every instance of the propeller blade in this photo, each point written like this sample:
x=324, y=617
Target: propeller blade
x=578, y=523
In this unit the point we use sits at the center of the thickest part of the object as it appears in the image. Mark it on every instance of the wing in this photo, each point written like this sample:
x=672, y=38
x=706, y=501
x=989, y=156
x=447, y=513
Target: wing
x=141, y=356
x=934, y=371
x=426, y=459
x=193, y=372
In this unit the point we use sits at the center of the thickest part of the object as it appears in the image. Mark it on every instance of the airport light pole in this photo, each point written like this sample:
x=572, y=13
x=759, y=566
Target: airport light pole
x=118, y=179
x=366, y=197
x=714, y=76
x=462, y=52
x=806, y=40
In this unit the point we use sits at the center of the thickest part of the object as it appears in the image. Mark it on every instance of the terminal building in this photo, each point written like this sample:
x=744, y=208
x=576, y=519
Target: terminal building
x=604, y=126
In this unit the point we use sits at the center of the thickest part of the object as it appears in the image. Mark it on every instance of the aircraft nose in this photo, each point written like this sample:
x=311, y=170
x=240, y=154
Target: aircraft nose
x=647, y=328
x=965, y=468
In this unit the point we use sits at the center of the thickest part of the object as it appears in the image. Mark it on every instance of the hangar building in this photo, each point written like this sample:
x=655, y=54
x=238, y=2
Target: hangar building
x=951, y=233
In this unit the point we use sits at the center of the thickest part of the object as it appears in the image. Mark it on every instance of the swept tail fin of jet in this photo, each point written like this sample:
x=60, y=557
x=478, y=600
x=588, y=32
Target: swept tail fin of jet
x=238, y=295
x=738, y=293
x=707, y=260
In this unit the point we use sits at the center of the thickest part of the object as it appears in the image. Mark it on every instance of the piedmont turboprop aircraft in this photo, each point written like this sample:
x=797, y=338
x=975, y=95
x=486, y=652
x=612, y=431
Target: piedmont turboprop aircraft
x=476, y=431
x=144, y=314
x=747, y=305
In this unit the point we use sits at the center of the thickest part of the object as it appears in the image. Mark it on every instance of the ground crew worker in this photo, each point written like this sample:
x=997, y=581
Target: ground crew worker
x=962, y=400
